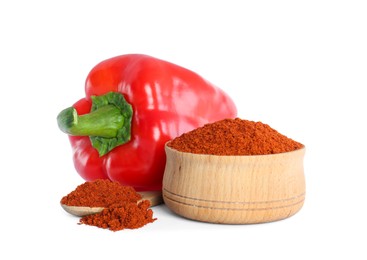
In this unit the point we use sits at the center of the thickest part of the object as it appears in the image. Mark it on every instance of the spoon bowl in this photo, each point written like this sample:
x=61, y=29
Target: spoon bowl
x=154, y=197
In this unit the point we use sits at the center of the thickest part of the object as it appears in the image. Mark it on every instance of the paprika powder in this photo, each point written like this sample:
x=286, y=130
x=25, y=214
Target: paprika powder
x=122, y=205
x=234, y=137
x=124, y=215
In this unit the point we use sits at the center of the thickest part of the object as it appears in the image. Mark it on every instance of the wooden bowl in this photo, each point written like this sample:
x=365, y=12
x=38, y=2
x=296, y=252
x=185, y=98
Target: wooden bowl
x=234, y=189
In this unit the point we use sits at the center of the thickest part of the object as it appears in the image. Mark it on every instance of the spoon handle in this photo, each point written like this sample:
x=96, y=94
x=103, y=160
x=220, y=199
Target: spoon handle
x=155, y=197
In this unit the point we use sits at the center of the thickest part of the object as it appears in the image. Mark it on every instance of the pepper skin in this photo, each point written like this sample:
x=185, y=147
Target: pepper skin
x=167, y=100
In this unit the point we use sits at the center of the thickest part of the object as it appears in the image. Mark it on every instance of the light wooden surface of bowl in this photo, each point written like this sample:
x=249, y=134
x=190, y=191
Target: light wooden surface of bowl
x=234, y=189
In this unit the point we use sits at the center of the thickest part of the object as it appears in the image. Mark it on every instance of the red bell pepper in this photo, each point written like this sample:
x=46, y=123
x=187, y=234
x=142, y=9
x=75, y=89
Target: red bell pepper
x=134, y=104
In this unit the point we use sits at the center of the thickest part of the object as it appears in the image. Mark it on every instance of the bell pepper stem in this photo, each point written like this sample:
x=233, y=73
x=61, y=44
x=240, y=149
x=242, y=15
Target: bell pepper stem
x=103, y=122
x=108, y=125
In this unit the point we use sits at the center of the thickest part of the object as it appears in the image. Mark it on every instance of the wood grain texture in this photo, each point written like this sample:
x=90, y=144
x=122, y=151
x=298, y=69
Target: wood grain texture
x=234, y=189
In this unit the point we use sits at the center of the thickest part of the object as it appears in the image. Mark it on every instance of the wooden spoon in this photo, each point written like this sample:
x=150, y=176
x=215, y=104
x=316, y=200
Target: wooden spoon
x=155, y=198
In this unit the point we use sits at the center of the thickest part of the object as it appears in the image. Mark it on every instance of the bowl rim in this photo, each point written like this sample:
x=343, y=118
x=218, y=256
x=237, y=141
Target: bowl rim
x=302, y=149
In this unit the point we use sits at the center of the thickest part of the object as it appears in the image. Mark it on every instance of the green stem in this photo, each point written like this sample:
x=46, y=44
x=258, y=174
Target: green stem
x=103, y=122
x=108, y=125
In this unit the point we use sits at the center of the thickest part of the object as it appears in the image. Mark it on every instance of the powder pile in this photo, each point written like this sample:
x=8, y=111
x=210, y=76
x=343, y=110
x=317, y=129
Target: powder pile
x=100, y=193
x=234, y=137
x=123, y=208
x=125, y=215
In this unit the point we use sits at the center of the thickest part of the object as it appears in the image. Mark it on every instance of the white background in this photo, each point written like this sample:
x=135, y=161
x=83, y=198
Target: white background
x=299, y=66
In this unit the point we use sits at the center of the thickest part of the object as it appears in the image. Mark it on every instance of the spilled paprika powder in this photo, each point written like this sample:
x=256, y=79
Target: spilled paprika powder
x=122, y=205
x=234, y=137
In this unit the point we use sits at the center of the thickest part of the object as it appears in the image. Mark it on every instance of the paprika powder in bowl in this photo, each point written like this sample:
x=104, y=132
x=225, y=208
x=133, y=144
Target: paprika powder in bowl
x=234, y=171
